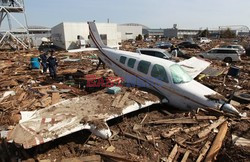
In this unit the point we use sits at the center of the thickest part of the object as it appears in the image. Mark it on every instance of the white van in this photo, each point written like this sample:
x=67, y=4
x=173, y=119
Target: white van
x=225, y=54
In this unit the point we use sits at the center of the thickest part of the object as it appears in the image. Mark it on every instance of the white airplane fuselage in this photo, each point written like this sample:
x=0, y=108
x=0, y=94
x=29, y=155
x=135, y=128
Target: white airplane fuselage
x=187, y=96
x=163, y=76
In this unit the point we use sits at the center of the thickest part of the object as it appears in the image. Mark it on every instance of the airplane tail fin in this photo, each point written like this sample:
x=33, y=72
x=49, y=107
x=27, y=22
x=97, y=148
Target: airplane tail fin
x=95, y=35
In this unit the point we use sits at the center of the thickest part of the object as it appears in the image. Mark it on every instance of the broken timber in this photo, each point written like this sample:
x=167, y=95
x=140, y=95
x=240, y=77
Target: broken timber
x=175, y=121
x=213, y=151
x=207, y=130
x=173, y=153
x=185, y=157
x=203, y=151
x=239, y=141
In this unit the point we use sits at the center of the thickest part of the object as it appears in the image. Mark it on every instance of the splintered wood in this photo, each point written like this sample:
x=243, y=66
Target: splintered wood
x=55, y=98
x=217, y=143
x=207, y=130
x=116, y=101
x=123, y=100
x=174, y=121
x=203, y=151
x=185, y=157
x=173, y=153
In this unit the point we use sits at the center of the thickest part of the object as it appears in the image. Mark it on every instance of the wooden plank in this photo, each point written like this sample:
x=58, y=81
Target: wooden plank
x=234, y=103
x=167, y=134
x=217, y=143
x=114, y=156
x=195, y=128
x=21, y=97
x=239, y=141
x=197, y=142
x=55, y=98
x=165, y=112
x=207, y=130
x=175, y=121
x=198, y=117
x=41, y=87
x=173, y=153
x=204, y=150
x=116, y=100
x=93, y=158
x=123, y=100
x=214, y=112
x=185, y=157
x=144, y=119
x=134, y=136
x=46, y=102
x=138, y=100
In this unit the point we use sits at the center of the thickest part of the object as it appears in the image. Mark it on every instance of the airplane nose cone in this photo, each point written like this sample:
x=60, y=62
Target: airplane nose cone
x=230, y=109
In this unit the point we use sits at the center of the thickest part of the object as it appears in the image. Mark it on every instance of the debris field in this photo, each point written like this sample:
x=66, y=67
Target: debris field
x=155, y=133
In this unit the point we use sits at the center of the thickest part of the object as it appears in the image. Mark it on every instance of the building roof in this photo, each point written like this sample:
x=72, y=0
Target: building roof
x=37, y=27
x=135, y=24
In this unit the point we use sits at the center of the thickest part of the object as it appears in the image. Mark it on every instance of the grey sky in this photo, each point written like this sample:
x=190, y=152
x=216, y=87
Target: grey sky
x=152, y=13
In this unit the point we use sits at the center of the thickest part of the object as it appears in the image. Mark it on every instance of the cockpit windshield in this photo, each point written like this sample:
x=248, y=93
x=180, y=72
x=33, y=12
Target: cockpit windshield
x=179, y=75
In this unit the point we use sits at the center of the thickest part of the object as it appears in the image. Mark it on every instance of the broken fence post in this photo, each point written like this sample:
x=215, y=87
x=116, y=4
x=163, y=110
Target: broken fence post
x=213, y=151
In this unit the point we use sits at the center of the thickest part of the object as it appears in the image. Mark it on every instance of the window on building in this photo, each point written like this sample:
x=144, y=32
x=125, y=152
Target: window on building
x=131, y=62
x=123, y=59
x=159, y=73
x=143, y=66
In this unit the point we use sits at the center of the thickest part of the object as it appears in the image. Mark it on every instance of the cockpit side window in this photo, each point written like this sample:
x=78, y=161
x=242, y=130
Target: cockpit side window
x=159, y=73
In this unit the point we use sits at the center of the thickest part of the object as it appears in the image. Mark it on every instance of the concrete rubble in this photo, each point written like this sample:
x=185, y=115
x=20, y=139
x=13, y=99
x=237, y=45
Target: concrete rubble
x=75, y=119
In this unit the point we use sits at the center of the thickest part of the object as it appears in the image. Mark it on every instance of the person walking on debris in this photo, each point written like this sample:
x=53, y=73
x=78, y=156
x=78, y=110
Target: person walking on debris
x=43, y=60
x=52, y=64
x=12, y=3
x=174, y=51
x=99, y=64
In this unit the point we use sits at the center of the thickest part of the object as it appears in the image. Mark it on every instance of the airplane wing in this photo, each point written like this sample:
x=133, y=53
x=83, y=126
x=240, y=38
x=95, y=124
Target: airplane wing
x=194, y=66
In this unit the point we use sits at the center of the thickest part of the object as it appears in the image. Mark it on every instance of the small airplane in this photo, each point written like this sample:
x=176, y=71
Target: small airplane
x=166, y=77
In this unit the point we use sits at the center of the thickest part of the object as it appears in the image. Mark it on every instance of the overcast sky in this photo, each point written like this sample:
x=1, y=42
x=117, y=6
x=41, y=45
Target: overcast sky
x=152, y=13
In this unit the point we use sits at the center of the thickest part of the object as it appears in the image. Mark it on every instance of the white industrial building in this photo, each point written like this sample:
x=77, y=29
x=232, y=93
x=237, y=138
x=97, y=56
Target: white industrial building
x=129, y=31
x=65, y=35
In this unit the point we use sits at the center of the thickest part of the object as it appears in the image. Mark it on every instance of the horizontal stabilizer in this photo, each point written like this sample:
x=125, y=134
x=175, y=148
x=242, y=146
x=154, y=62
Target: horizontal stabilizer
x=194, y=66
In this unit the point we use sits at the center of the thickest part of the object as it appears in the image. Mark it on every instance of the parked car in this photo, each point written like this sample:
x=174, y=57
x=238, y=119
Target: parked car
x=239, y=47
x=163, y=45
x=161, y=53
x=225, y=54
x=205, y=40
x=188, y=45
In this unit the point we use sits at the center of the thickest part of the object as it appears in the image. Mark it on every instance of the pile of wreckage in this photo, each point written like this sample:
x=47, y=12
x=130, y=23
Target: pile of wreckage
x=90, y=115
